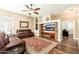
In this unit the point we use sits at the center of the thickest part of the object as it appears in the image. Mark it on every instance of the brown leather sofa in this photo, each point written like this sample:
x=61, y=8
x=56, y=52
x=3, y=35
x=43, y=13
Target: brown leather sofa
x=10, y=47
x=24, y=33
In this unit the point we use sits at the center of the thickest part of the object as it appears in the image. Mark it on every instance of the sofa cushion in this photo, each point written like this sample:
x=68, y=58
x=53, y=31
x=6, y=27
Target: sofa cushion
x=4, y=37
x=2, y=43
x=24, y=33
x=6, y=40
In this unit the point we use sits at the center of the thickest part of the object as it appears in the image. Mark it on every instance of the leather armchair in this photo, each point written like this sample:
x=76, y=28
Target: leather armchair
x=24, y=33
x=65, y=33
x=6, y=45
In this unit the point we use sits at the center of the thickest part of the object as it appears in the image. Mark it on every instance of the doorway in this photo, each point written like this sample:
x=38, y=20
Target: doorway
x=67, y=28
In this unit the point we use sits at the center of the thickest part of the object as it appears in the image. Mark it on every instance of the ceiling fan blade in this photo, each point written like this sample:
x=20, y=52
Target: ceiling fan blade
x=27, y=6
x=36, y=9
x=36, y=12
x=25, y=10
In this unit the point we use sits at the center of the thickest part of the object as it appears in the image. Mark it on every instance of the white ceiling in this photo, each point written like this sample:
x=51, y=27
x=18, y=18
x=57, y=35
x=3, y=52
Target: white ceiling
x=18, y=5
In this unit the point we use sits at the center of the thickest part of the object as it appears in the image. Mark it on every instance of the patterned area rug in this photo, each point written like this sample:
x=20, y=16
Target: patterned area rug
x=37, y=45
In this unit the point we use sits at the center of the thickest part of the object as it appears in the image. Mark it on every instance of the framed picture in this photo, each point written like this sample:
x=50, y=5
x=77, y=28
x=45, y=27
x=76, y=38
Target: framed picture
x=24, y=24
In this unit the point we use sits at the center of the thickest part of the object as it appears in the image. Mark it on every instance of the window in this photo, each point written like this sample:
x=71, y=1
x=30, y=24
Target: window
x=6, y=24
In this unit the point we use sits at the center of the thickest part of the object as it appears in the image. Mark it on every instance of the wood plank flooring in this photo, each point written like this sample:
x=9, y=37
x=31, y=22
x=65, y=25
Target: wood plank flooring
x=67, y=46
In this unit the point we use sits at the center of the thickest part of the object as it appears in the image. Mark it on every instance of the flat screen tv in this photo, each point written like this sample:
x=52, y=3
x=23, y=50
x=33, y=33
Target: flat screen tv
x=50, y=27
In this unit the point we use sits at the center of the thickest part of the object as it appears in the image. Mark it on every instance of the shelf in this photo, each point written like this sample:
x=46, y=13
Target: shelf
x=44, y=31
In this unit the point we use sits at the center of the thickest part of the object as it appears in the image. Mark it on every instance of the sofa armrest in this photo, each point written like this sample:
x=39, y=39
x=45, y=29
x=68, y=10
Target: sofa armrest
x=3, y=52
x=14, y=50
x=14, y=43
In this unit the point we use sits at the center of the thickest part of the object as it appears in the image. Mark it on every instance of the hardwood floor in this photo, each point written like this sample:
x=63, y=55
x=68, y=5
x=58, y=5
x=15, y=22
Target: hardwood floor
x=67, y=46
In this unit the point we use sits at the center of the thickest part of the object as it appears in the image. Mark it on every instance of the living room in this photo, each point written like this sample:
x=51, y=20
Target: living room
x=48, y=29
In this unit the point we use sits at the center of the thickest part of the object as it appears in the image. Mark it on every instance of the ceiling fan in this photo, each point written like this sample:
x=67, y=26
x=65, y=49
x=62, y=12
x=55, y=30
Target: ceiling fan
x=30, y=9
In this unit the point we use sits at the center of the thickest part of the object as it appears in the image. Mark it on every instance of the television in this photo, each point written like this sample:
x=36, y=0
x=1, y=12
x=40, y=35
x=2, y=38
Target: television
x=50, y=27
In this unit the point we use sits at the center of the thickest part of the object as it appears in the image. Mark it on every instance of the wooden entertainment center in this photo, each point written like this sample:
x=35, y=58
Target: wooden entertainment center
x=48, y=31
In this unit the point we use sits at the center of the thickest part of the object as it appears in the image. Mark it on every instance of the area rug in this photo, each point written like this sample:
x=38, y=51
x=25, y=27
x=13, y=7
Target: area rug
x=37, y=45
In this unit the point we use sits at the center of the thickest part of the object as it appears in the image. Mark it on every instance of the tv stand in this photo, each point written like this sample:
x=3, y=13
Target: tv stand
x=51, y=34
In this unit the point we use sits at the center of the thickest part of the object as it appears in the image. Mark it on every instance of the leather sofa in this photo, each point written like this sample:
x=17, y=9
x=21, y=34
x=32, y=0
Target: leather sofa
x=24, y=33
x=9, y=47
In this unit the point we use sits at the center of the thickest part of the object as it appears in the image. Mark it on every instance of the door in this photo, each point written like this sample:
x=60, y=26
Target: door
x=68, y=26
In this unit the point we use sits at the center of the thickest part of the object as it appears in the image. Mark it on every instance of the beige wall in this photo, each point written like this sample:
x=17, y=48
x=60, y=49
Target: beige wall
x=53, y=17
x=17, y=18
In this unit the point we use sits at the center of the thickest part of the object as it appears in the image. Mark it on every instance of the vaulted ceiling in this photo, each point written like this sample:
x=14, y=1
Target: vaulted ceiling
x=17, y=6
